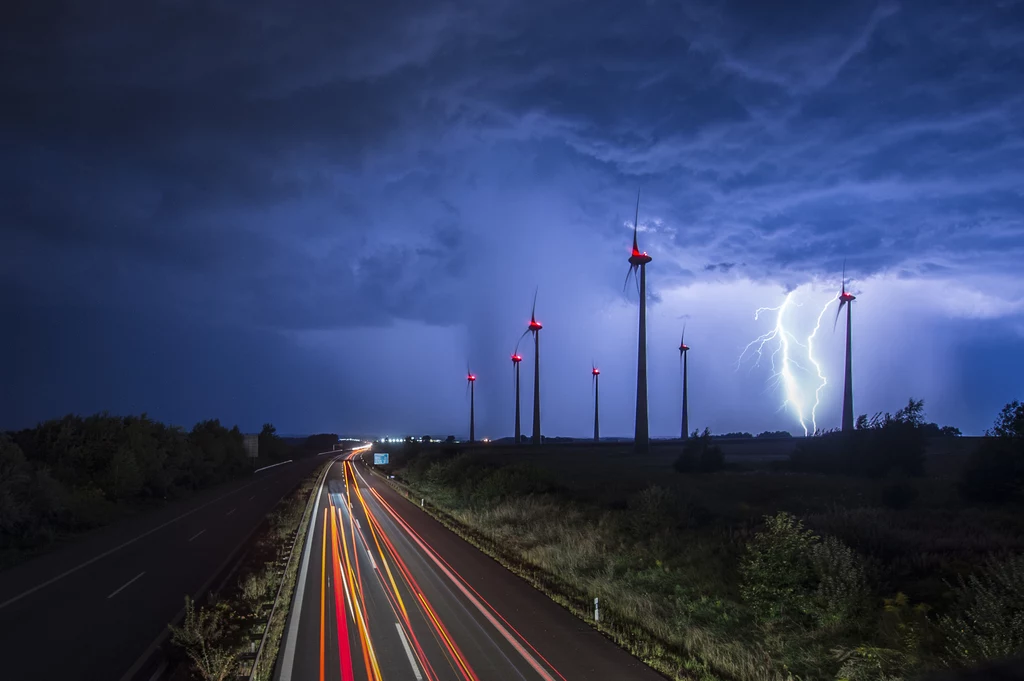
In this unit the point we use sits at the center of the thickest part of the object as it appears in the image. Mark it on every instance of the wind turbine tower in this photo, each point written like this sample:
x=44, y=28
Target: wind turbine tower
x=516, y=359
x=638, y=261
x=535, y=328
x=846, y=298
x=683, y=348
x=472, y=405
x=596, y=373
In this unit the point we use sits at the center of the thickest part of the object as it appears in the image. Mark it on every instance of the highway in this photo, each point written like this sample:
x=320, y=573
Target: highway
x=386, y=592
x=98, y=607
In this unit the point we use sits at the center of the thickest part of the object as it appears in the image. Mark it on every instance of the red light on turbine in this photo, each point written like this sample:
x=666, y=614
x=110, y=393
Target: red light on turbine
x=535, y=325
x=595, y=371
x=470, y=377
x=517, y=358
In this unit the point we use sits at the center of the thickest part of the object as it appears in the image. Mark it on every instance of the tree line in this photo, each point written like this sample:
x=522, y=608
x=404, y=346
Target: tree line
x=73, y=473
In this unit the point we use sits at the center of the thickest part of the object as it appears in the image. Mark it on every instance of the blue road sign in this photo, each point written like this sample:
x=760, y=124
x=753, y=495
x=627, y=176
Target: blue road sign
x=380, y=458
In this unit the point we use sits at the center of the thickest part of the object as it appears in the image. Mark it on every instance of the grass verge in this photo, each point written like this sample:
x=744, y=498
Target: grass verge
x=761, y=575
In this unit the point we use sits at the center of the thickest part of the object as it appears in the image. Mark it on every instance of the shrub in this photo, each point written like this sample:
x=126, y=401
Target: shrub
x=510, y=481
x=842, y=592
x=258, y=587
x=792, y=576
x=879, y=445
x=201, y=635
x=988, y=621
x=700, y=454
x=778, y=577
x=651, y=509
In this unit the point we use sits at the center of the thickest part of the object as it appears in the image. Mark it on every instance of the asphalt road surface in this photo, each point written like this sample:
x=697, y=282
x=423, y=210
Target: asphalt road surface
x=386, y=592
x=96, y=608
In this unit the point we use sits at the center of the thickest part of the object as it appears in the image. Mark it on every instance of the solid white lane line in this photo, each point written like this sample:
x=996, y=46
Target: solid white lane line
x=92, y=560
x=197, y=534
x=252, y=497
x=288, y=650
x=125, y=585
x=230, y=512
x=408, y=652
x=273, y=465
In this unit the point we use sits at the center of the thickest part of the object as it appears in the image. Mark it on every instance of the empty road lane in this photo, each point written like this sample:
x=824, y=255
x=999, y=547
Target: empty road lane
x=90, y=609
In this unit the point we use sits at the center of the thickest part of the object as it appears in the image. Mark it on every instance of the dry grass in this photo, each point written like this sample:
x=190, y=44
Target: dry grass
x=665, y=564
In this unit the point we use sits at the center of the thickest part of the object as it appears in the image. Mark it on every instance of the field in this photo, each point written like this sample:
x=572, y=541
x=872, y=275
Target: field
x=696, y=580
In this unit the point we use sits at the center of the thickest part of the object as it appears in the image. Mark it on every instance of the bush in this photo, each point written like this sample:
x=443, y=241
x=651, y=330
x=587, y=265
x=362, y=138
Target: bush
x=988, y=621
x=700, y=455
x=509, y=481
x=880, y=445
x=778, y=576
x=842, y=594
x=202, y=635
x=790, y=576
x=258, y=587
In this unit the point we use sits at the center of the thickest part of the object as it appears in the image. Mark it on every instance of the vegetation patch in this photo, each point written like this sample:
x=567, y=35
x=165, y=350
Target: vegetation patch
x=221, y=638
x=821, y=569
x=72, y=474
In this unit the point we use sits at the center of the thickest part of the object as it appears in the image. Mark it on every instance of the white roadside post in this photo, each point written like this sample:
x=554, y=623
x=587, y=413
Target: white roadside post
x=597, y=612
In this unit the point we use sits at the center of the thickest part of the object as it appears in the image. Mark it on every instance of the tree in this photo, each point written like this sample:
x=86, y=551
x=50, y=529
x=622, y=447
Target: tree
x=1010, y=422
x=272, y=447
x=994, y=473
x=700, y=454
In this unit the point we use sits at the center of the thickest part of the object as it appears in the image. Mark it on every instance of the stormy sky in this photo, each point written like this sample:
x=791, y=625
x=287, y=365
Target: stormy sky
x=320, y=214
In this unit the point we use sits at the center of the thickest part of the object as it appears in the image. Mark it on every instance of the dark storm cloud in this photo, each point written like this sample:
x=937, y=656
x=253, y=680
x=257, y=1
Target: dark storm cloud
x=307, y=167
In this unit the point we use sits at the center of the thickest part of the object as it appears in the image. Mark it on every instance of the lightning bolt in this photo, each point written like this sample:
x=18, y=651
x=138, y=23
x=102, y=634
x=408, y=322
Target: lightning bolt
x=817, y=366
x=783, y=340
x=782, y=344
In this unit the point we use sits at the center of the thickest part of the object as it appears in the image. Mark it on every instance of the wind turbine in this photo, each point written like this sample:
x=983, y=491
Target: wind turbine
x=472, y=405
x=847, y=298
x=596, y=373
x=638, y=261
x=516, y=359
x=683, y=348
x=534, y=328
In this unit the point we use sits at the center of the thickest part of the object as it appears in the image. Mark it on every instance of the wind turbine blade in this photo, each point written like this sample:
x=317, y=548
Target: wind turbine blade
x=636, y=217
x=844, y=276
x=533, y=310
x=626, y=282
x=682, y=339
x=838, y=312
x=521, y=340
